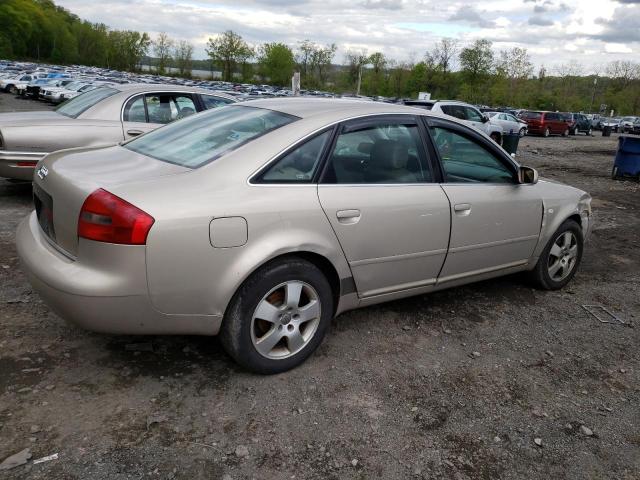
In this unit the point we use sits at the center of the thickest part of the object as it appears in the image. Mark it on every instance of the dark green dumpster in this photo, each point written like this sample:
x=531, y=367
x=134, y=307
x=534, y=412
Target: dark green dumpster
x=606, y=131
x=510, y=142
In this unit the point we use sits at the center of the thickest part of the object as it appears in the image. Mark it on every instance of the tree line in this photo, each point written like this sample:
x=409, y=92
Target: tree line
x=41, y=31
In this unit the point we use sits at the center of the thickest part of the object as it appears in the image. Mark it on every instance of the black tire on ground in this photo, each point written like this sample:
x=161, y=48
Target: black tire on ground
x=614, y=173
x=546, y=132
x=496, y=138
x=589, y=132
x=522, y=132
x=539, y=276
x=236, y=334
x=565, y=133
x=573, y=131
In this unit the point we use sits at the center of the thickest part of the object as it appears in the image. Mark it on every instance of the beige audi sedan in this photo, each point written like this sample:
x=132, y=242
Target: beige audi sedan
x=261, y=221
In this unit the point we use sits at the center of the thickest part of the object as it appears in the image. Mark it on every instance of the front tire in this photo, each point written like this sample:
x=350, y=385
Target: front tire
x=560, y=259
x=278, y=317
x=565, y=133
x=546, y=132
x=522, y=132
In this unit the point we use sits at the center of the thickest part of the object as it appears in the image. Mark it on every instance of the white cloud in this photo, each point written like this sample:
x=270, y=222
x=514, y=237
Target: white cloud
x=587, y=31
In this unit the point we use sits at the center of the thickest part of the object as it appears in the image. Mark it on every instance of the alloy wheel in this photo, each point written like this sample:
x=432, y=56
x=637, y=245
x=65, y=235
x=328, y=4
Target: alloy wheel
x=563, y=256
x=285, y=320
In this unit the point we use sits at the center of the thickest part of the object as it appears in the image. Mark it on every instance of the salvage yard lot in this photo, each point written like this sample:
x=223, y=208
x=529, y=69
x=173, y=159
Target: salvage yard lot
x=494, y=380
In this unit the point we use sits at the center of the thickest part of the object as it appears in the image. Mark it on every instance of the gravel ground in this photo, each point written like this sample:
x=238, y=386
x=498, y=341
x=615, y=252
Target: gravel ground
x=490, y=381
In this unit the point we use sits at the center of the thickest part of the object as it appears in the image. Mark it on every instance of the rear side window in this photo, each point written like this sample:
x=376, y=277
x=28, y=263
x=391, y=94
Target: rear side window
x=378, y=154
x=203, y=138
x=532, y=115
x=465, y=161
x=455, y=111
x=134, y=111
x=299, y=165
x=76, y=106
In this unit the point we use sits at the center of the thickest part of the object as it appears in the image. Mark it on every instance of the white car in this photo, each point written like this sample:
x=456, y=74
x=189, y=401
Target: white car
x=462, y=111
x=626, y=123
x=509, y=123
x=56, y=94
x=12, y=84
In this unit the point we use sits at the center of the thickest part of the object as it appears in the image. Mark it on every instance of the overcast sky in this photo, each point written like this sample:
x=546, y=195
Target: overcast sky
x=555, y=32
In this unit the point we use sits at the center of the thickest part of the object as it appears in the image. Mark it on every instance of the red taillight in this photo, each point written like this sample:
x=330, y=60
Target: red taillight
x=27, y=163
x=107, y=218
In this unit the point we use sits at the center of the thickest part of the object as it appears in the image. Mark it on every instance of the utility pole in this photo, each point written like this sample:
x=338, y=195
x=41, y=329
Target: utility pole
x=593, y=95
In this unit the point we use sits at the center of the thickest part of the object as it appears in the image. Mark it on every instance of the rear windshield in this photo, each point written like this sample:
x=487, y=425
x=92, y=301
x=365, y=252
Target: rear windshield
x=76, y=106
x=532, y=115
x=200, y=139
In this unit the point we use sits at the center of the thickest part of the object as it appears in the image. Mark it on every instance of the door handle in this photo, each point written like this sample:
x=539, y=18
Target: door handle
x=462, y=208
x=348, y=216
x=134, y=133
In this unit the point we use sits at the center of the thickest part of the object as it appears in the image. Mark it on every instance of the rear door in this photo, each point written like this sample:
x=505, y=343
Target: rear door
x=145, y=112
x=379, y=193
x=495, y=221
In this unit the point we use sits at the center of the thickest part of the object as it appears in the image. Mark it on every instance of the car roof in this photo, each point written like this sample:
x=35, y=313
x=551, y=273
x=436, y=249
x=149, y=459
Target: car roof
x=152, y=87
x=337, y=108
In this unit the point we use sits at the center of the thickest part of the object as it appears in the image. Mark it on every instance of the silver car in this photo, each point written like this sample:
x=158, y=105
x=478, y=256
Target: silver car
x=99, y=117
x=509, y=123
x=261, y=221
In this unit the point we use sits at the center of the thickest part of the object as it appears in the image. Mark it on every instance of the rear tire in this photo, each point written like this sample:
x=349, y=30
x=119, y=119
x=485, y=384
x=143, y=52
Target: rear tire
x=285, y=339
x=565, y=133
x=560, y=259
x=589, y=132
x=496, y=138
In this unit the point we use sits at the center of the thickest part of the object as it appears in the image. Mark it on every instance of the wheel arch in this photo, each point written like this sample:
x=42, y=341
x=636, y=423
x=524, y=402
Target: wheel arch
x=325, y=265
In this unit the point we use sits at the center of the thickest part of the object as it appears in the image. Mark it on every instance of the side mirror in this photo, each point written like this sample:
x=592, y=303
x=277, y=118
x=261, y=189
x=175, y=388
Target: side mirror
x=485, y=118
x=527, y=175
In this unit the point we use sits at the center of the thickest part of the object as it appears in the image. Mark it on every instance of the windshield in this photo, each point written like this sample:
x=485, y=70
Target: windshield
x=76, y=106
x=194, y=141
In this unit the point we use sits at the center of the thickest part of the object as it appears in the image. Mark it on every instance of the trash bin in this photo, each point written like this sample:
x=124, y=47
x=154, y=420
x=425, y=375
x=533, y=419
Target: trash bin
x=606, y=131
x=627, y=162
x=510, y=142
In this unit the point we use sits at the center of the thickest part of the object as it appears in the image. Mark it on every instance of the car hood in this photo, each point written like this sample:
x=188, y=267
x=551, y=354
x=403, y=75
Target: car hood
x=41, y=117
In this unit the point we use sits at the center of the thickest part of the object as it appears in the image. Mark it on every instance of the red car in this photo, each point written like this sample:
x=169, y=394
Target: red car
x=546, y=123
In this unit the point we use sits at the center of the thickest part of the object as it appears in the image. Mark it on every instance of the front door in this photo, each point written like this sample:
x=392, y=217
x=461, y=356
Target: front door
x=495, y=221
x=391, y=220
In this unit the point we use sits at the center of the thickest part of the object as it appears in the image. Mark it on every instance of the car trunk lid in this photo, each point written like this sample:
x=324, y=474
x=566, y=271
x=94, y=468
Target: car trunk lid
x=63, y=181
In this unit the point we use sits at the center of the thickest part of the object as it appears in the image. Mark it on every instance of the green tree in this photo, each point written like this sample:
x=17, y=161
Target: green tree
x=276, y=61
x=183, y=58
x=162, y=48
x=228, y=49
x=476, y=63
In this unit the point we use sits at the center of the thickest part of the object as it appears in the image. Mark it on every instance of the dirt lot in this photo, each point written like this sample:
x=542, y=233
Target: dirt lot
x=489, y=381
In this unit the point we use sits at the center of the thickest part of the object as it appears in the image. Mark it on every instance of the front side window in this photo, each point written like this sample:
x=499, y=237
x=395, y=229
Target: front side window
x=299, y=165
x=76, y=106
x=203, y=138
x=379, y=153
x=465, y=161
x=211, y=101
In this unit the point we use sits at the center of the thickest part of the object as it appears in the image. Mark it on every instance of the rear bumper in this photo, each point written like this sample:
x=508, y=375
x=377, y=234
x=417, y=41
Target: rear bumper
x=19, y=165
x=94, y=298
